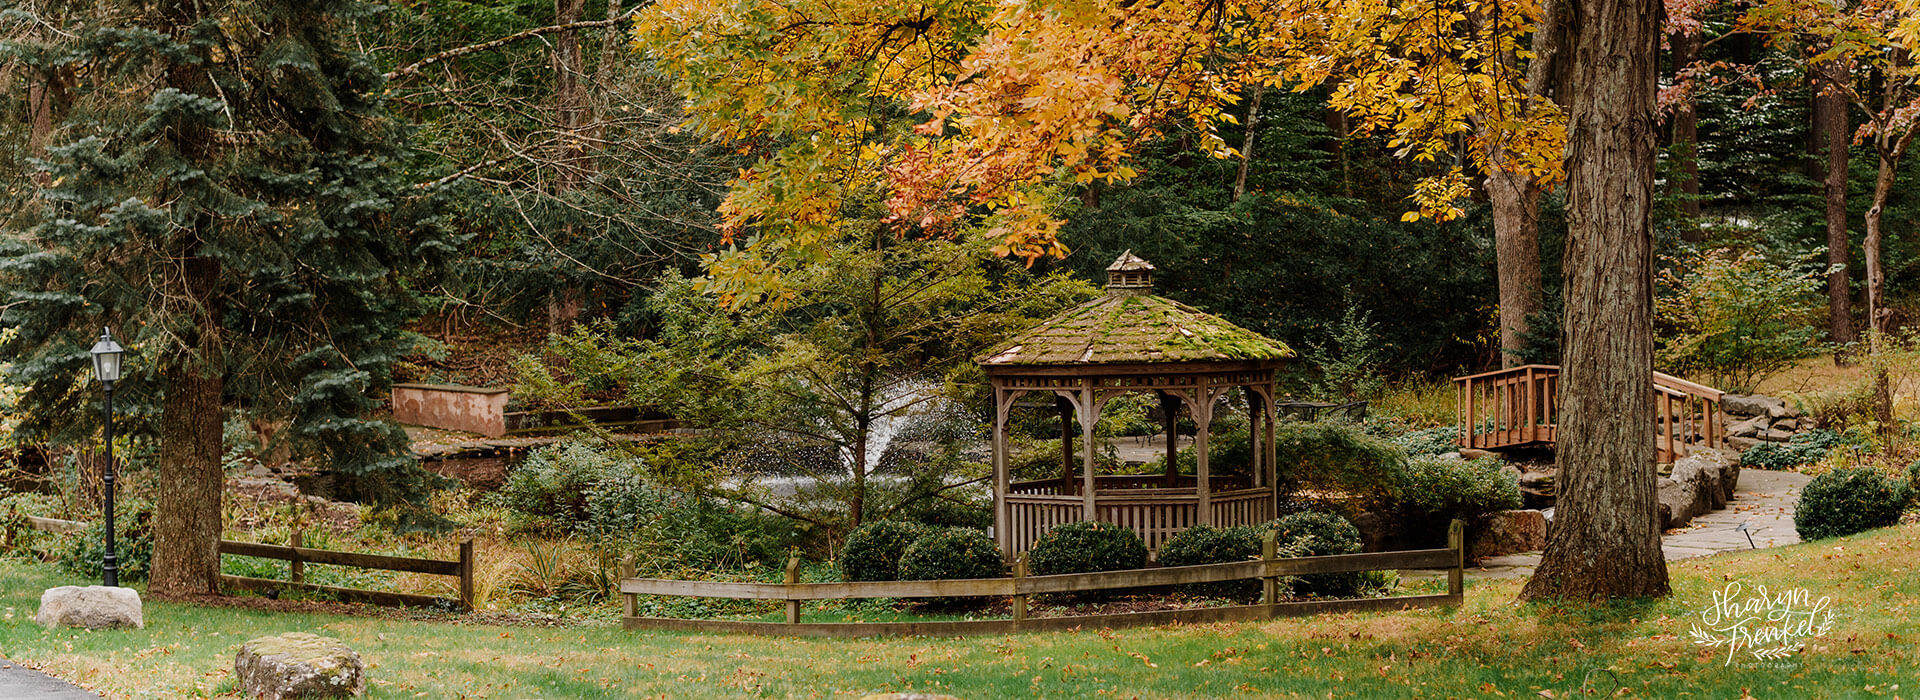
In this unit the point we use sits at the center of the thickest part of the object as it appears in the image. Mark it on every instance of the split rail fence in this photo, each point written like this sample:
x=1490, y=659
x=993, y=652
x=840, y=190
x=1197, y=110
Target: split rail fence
x=1269, y=569
x=298, y=557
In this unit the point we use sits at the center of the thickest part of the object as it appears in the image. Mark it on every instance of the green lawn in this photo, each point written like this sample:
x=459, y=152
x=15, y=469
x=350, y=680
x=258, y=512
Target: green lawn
x=1489, y=648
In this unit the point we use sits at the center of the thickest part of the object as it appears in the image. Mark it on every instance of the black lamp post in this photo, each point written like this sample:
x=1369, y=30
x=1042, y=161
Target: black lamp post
x=106, y=368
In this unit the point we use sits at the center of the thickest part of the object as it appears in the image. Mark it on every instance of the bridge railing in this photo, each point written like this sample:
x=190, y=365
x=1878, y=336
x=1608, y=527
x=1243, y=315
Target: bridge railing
x=1518, y=406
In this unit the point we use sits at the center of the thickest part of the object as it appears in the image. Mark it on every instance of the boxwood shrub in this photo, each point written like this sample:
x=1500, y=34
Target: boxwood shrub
x=874, y=549
x=1849, y=500
x=949, y=553
x=1076, y=548
x=1204, y=544
x=1314, y=534
x=1440, y=490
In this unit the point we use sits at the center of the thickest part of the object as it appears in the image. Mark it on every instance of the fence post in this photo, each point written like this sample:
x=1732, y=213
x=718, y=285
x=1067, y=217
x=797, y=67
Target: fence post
x=1019, y=590
x=466, y=574
x=298, y=567
x=1457, y=541
x=1269, y=552
x=793, y=577
x=627, y=570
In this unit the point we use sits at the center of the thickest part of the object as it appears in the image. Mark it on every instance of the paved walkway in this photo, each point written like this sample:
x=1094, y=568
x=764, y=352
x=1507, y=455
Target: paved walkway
x=1763, y=502
x=20, y=683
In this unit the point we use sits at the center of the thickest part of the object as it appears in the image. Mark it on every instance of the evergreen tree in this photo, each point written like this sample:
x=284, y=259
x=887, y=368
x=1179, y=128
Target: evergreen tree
x=221, y=192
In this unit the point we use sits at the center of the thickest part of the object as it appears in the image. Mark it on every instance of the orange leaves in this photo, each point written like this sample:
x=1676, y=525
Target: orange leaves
x=958, y=117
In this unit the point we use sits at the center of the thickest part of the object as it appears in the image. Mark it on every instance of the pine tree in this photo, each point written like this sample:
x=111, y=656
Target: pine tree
x=221, y=191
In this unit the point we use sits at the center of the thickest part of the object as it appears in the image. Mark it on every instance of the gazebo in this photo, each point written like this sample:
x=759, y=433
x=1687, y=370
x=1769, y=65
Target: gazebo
x=1132, y=341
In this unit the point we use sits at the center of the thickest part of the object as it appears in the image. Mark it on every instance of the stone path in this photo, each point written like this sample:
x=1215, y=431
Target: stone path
x=1763, y=502
x=20, y=683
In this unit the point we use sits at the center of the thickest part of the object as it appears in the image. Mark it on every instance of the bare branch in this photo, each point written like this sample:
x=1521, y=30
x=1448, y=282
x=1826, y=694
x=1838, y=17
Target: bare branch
x=415, y=67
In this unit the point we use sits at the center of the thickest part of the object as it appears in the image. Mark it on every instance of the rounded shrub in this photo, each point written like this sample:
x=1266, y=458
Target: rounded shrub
x=954, y=552
x=1441, y=490
x=1849, y=500
x=1076, y=548
x=1314, y=534
x=1205, y=544
x=873, y=550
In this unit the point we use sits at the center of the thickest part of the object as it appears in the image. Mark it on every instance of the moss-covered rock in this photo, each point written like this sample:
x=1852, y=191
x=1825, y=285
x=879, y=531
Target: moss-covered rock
x=298, y=665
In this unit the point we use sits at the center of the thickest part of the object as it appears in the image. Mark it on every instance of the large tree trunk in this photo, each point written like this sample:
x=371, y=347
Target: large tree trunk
x=1686, y=131
x=1516, y=197
x=186, y=516
x=1833, y=134
x=1606, y=537
x=572, y=111
x=1516, y=246
x=1246, y=144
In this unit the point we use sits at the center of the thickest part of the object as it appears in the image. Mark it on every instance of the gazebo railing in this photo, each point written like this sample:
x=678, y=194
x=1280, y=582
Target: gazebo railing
x=1156, y=514
x=1127, y=482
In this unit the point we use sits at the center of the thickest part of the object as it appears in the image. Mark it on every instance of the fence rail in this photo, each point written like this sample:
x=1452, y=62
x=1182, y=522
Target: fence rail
x=1269, y=568
x=298, y=557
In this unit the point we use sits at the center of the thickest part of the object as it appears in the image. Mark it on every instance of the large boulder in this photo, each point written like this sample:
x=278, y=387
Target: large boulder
x=298, y=665
x=91, y=607
x=1678, y=501
x=1750, y=427
x=1537, y=488
x=1742, y=443
x=1751, y=405
x=1509, y=532
x=1704, y=474
x=1375, y=531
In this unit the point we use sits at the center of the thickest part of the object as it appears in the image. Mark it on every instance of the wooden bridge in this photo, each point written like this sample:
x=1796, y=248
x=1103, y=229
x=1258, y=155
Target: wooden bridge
x=1517, y=407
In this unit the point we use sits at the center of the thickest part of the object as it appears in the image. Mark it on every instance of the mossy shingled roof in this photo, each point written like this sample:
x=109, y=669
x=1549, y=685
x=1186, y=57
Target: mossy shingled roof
x=1133, y=328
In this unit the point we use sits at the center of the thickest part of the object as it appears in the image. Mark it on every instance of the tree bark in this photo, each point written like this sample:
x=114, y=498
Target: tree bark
x=1515, y=197
x=1834, y=135
x=186, y=516
x=1686, y=131
x=1516, y=241
x=1246, y=144
x=572, y=111
x=1606, y=537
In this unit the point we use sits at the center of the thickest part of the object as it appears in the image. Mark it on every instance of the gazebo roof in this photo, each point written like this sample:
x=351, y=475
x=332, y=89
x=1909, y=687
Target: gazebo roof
x=1130, y=326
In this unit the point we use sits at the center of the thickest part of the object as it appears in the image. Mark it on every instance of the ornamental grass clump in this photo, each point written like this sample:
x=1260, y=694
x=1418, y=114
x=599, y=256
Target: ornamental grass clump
x=1849, y=500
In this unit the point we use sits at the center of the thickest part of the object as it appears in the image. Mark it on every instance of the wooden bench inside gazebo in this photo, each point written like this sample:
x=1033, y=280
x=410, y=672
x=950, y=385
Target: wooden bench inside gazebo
x=1132, y=341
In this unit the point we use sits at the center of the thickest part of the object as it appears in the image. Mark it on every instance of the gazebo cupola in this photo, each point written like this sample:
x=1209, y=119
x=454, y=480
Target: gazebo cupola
x=1130, y=340
x=1130, y=275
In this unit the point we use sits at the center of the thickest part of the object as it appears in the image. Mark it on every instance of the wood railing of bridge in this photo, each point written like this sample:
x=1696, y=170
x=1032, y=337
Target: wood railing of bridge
x=1518, y=407
x=1269, y=569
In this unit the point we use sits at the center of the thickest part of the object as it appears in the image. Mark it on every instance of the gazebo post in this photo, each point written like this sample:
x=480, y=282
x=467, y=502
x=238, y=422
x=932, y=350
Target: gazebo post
x=1089, y=415
x=1001, y=536
x=1271, y=448
x=1066, y=444
x=1256, y=437
x=1170, y=410
x=1202, y=411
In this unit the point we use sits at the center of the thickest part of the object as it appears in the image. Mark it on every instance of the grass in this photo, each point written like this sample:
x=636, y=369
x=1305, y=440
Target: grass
x=1489, y=647
x=1421, y=403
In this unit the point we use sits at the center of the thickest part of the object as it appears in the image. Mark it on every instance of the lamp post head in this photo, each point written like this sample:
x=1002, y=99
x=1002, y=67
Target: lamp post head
x=106, y=357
